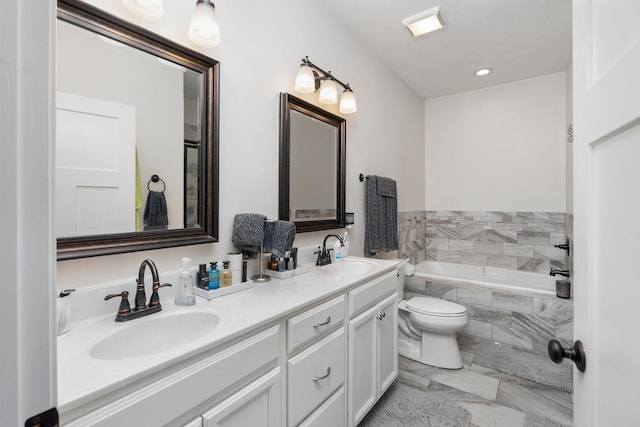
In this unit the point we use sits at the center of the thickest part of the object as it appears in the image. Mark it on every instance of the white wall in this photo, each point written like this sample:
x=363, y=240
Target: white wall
x=27, y=247
x=262, y=45
x=500, y=148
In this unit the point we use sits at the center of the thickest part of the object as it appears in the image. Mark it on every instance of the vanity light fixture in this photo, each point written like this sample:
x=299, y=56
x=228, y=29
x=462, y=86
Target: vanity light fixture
x=204, y=28
x=151, y=9
x=310, y=78
x=425, y=22
x=483, y=72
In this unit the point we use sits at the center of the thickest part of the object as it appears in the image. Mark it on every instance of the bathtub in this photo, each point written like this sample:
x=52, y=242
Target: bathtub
x=501, y=279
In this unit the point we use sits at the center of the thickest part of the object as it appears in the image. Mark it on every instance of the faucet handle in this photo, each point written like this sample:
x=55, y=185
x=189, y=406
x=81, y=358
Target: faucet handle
x=155, y=298
x=125, y=308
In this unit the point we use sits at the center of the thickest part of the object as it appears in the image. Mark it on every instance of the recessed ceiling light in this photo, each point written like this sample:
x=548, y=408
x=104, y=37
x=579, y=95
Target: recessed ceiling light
x=483, y=71
x=425, y=22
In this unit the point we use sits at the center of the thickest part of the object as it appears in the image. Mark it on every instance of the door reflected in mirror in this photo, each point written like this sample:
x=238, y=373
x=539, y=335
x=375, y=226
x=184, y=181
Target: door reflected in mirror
x=131, y=105
x=312, y=165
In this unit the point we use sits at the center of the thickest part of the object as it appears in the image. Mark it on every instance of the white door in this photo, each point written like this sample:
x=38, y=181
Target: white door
x=363, y=365
x=606, y=62
x=95, y=166
x=387, y=342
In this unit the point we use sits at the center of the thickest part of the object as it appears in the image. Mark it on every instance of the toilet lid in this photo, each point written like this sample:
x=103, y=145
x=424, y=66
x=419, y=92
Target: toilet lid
x=435, y=307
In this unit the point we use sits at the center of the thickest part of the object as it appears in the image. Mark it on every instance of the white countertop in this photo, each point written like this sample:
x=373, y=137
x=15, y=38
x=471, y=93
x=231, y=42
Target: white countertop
x=82, y=378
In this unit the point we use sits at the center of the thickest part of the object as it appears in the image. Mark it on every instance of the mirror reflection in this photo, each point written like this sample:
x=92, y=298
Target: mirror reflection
x=136, y=137
x=312, y=165
x=123, y=116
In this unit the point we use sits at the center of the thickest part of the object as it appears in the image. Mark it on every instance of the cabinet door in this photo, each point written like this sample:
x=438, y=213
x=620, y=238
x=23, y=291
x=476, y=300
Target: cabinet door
x=256, y=405
x=387, y=342
x=363, y=365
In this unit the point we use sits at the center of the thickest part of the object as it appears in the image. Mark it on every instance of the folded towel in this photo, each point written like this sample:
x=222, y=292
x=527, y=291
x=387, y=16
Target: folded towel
x=155, y=211
x=248, y=233
x=385, y=187
x=279, y=237
x=381, y=226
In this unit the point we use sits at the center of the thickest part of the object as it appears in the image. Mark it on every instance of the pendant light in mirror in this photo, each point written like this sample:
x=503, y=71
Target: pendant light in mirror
x=310, y=78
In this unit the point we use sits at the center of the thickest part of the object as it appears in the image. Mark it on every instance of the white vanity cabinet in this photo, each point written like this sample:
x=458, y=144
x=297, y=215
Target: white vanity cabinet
x=256, y=405
x=373, y=357
x=316, y=367
x=178, y=394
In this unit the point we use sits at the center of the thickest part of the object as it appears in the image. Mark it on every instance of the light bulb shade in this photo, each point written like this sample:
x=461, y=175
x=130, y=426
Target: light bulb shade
x=348, y=102
x=305, y=80
x=328, y=92
x=151, y=9
x=204, y=29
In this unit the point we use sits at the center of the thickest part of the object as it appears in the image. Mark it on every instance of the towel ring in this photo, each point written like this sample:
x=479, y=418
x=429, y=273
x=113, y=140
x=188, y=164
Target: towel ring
x=156, y=178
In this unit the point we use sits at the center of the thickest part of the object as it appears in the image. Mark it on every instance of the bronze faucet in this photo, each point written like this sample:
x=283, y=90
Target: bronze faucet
x=141, y=308
x=324, y=254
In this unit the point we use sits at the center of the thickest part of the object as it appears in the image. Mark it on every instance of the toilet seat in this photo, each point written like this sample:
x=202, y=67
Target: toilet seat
x=435, y=307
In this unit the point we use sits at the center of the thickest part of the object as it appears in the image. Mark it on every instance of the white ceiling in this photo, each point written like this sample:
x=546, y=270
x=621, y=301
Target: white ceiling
x=519, y=39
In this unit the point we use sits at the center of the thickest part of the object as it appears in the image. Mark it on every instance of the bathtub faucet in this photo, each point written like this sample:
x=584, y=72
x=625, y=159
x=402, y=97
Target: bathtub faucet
x=554, y=272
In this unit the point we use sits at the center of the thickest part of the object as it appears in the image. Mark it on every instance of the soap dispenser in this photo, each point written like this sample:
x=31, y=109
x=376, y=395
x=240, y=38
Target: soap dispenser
x=337, y=251
x=184, y=294
x=214, y=276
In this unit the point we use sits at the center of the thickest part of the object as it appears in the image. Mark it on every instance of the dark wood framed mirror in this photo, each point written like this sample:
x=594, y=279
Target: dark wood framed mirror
x=169, y=97
x=312, y=165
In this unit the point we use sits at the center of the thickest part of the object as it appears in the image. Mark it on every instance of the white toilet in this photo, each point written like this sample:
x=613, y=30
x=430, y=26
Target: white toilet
x=428, y=329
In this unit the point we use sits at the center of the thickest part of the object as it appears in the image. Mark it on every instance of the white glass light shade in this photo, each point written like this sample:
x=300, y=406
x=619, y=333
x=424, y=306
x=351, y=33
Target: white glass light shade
x=204, y=29
x=151, y=9
x=305, y=80
x=328, y=92
x=348, y=102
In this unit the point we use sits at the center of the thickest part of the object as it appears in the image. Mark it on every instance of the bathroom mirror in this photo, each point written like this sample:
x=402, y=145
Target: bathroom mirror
x=312, y=165
x=136, y=138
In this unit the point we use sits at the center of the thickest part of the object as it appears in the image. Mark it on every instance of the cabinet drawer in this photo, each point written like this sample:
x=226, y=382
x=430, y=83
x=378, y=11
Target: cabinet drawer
x=330, y=413
x=314, y=323
x=158, y=403
x=314, y=375
x=370, y=293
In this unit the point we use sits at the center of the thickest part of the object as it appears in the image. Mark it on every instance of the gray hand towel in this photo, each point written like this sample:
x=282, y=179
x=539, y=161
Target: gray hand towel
x=155, y=211
x=279, y=237
x=381, y=227
x=248, y=233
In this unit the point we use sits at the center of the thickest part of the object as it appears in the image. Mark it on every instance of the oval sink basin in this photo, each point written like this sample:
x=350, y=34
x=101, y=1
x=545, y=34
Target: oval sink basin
x=349, y=267
x=154, y=334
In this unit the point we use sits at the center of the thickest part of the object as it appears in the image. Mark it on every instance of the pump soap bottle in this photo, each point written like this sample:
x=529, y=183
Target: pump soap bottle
x=226, y=275
x=184, y=293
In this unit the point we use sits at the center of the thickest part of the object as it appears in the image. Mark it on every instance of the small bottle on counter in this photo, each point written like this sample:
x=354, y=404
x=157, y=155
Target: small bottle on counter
x=244, y=270
x=227, y=276
x=214, y=276
x=203, y=277
x=281, y=265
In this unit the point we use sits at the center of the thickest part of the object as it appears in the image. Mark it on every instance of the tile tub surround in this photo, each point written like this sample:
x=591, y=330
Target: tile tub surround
x=524, y=320
x=514, y=240
x=412, y=240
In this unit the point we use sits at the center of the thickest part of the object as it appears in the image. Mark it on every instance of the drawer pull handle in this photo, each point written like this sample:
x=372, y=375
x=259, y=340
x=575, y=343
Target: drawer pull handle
x=381, y=316
x=326, y=322
x=323, y=376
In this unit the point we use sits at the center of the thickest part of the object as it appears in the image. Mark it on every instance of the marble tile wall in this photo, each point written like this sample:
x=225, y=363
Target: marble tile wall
x=513, y=240
x=523, y=320
x=412, y=238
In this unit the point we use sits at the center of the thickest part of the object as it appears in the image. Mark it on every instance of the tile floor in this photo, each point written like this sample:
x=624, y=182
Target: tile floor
x=494, y=399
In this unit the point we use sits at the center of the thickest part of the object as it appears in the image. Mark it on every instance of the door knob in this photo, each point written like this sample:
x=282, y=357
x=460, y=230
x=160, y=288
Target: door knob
x=576, y=353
